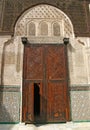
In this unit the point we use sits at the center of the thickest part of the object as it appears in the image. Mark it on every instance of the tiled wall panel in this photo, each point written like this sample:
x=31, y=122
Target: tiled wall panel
x=80, y=105
x=9, y=106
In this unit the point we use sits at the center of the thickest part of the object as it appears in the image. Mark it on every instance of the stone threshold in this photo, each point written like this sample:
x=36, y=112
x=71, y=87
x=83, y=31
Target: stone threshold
x=59, y=126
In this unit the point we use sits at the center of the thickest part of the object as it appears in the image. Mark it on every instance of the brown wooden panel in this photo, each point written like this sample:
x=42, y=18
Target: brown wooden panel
x=56, y=62
x=34, y=62
x=28, y=102
x=57, y=102
x=57, y=79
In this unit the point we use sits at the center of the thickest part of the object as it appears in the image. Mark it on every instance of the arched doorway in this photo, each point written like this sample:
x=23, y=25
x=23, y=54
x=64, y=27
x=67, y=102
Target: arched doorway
x=45, y=95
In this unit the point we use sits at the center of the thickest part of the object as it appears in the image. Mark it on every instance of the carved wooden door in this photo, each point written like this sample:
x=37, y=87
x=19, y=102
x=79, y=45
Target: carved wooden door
x=45, y=84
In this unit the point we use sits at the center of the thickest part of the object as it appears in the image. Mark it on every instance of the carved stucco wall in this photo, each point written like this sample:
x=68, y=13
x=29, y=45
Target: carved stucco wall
x=44, y=14
x=11, y=61
x=9, y=81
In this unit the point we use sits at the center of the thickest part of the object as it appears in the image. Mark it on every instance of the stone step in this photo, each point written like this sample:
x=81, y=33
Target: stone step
x=65, y=126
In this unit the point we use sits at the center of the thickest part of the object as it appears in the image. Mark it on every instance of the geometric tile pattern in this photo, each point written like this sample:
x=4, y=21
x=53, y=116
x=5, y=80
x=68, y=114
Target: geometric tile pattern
x=80, y=105
x=9, y=106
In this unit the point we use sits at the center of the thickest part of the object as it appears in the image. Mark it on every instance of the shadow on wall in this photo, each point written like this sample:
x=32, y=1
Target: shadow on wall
x=5, y=117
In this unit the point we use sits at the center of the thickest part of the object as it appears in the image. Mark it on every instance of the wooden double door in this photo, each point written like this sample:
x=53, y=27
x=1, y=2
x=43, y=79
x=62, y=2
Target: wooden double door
x=45, y=84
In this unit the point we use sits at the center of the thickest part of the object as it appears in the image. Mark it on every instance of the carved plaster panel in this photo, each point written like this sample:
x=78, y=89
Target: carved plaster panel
x=11, y=55
x=47, y=15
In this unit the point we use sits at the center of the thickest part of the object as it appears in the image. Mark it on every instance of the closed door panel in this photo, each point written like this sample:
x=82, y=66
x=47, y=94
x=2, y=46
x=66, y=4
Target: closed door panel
x=33, y=63
x=57, y=83
x=56, y=62
x=57, y=102
x=45, y=84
